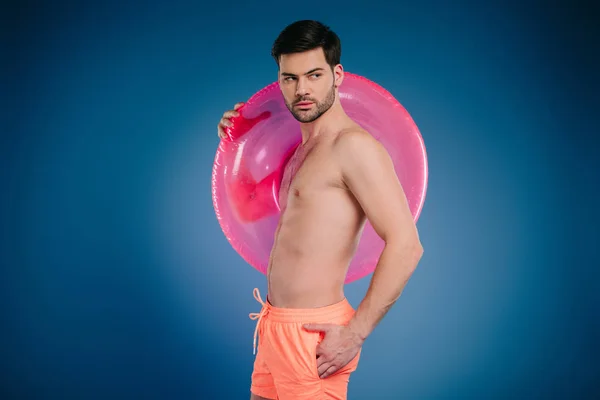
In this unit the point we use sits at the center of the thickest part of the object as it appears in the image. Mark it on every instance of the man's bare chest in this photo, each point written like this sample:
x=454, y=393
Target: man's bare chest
x=308, y=173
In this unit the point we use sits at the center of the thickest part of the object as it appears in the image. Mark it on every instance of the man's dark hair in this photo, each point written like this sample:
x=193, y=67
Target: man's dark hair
x=307, y=35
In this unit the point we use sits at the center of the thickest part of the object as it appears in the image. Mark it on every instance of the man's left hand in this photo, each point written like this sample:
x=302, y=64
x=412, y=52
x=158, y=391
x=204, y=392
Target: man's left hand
x=339, y=346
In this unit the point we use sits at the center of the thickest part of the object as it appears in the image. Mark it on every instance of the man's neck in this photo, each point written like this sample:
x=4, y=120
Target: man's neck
x=325, y=124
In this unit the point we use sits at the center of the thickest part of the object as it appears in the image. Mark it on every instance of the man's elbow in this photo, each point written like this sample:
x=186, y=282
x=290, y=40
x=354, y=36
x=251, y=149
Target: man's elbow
x=418, y=248
x=416, y=251
x=409, y=247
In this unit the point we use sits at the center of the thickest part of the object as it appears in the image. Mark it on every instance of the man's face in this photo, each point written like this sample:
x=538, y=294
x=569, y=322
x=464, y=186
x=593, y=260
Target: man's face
x=307, y=83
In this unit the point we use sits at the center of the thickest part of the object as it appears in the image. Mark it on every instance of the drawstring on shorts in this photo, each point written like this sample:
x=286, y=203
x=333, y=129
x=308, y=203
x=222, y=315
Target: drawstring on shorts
x=258, y=316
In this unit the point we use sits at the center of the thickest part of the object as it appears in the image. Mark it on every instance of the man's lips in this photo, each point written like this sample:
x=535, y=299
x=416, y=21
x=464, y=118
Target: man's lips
x=304, y=103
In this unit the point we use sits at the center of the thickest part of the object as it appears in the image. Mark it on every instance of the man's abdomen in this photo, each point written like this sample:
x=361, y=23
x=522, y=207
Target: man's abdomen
x=310, y=258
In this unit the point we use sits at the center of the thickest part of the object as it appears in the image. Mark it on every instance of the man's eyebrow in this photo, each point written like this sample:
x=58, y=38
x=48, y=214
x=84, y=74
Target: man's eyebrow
x=306, y=73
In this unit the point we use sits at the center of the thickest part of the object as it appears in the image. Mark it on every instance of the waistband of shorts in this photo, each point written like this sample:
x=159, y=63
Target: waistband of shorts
x=314, y=315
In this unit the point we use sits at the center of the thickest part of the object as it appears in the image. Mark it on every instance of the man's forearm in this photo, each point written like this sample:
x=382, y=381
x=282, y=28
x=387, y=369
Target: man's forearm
x=394, y=269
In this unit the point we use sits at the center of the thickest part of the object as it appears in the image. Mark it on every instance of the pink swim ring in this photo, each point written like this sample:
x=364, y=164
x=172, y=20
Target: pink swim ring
x=249, y=165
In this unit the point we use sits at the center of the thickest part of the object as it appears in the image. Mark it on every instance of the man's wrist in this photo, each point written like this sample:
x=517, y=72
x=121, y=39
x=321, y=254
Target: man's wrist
x=358, y=329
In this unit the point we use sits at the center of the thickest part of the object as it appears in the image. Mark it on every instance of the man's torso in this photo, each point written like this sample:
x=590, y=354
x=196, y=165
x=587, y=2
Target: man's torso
x=318, y=232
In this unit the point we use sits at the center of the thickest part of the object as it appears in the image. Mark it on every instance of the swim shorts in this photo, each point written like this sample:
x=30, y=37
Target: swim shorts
x=285, y=367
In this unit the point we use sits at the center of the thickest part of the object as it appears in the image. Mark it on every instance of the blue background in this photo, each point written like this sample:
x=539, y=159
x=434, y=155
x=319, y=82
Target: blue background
x=117, y=281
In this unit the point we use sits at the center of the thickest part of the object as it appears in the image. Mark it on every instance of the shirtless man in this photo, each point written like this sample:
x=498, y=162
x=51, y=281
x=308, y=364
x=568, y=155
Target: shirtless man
x=309, y=336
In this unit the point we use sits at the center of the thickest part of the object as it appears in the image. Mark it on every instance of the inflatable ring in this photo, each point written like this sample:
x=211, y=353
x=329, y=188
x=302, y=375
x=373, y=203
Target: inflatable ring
x=249, y=165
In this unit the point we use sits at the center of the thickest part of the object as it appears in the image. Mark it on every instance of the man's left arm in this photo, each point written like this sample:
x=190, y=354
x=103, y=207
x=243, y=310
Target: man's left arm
x=369, y=173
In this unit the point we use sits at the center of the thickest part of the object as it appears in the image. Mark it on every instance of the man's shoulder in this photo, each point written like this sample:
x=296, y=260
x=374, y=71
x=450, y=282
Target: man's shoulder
x=354, y=141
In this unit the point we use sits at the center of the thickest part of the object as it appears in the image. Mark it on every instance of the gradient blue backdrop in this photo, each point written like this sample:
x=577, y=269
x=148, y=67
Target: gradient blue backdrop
x=117, y=282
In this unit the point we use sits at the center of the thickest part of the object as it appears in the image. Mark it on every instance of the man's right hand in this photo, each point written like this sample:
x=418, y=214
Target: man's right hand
x=225, y=122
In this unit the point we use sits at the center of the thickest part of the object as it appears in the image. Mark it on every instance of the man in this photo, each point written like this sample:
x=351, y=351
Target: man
x=309, y=336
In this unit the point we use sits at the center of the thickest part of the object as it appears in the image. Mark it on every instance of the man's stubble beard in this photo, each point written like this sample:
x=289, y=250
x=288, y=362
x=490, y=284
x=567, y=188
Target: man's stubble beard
x=320, y=108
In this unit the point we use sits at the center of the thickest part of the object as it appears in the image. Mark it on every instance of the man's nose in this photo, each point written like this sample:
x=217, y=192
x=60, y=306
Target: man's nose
x=302, y=88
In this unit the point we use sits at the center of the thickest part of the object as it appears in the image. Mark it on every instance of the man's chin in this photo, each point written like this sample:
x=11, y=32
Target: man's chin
x=305, y=118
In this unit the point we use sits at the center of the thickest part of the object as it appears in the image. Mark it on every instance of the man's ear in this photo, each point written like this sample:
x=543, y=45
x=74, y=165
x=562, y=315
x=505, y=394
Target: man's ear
x=338, y=75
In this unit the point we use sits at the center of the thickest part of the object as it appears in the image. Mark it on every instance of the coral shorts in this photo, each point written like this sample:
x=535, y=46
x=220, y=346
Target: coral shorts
x=285, y=367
